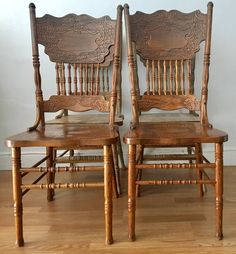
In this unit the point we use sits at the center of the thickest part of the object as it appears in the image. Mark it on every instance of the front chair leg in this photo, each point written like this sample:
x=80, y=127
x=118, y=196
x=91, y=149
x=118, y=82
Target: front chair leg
x=17, y=195
x=219, y=189
x=108, y=170
x=131, y=192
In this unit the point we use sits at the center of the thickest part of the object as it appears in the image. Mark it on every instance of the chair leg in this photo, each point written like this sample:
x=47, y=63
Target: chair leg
x=116, y=169
x=219, y=189
x=120, y=152
x=139, y=173
x=72, y=153
x=17, y=195
x=131, y=192
x=198, y=151
x=54, y=154
x=108, y=169
x=50, y=175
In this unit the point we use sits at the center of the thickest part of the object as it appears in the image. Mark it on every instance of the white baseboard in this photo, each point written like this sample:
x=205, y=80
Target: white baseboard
x=31, y=157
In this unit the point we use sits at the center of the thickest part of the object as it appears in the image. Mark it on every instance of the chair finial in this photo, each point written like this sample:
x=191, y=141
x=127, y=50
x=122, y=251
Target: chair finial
x=126, y=6
x=32, y=6
x=119, y=7
x=210, y=4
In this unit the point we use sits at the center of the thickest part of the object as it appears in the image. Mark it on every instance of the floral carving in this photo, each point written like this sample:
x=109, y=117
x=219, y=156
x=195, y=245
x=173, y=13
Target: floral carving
x=60, y=36
x=76, y=103
x=168, y=35
x=192, y=103
x=166, y=102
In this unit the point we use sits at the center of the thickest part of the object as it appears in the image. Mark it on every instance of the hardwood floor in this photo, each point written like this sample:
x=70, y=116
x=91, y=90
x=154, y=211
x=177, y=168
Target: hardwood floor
x=170, y=219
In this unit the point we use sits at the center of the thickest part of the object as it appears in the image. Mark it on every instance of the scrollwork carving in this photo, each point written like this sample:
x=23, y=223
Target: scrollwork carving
x=76, y=38
x=168, y=35
x=166, y=102
x=192, y=103
x=76, y=103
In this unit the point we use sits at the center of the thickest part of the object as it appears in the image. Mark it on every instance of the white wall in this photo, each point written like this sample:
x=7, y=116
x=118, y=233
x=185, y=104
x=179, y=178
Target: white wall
x=16, y=76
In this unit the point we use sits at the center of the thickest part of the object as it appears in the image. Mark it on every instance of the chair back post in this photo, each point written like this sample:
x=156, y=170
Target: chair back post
x=136, y=70
x=132, y=70
x=36, y=65
x=116, y=72
x=119, y=81
x=204, y=93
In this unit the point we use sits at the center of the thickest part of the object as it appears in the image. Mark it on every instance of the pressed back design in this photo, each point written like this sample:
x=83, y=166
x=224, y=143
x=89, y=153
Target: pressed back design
x=76, y=38
x=167, y=43
x=82, y=48
x=168, y=35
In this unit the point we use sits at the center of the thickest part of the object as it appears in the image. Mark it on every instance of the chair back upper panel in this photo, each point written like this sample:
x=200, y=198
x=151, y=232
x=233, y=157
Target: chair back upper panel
x=76, y=38
x=86, y=52
x=167, y=43
x=169, y=35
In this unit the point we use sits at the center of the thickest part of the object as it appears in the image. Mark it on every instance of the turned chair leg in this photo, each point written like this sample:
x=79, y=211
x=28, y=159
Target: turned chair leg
x=108, y=170
x=17, y=195
x=131, y=192
x=219, y=189
x=50, y=175
x=140, y=172
x=198, y=151
x=72, y=153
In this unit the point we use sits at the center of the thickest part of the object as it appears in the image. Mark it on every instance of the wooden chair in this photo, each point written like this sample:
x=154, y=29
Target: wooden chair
x=66, y=42
x=167, y=42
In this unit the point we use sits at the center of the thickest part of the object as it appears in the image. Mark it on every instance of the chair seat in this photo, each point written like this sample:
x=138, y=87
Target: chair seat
x=179, y=133
x=169, y=117
x=65, y=135
x=85, y=119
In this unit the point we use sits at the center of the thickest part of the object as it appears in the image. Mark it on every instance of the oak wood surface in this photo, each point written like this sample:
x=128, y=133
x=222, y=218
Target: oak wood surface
x=65, y=135
x=178, y=221
x=174, y=133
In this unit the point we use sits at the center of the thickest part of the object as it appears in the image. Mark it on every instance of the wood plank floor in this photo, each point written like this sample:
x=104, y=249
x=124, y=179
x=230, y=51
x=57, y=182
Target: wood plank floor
x=170, y=219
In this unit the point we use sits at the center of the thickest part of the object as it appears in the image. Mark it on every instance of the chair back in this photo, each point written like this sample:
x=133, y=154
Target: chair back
x=167, y=42
x=86, y=52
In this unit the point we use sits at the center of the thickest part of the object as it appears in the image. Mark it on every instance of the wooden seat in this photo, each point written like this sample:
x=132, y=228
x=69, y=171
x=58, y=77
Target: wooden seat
x=66, y=42
x=167, y=43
